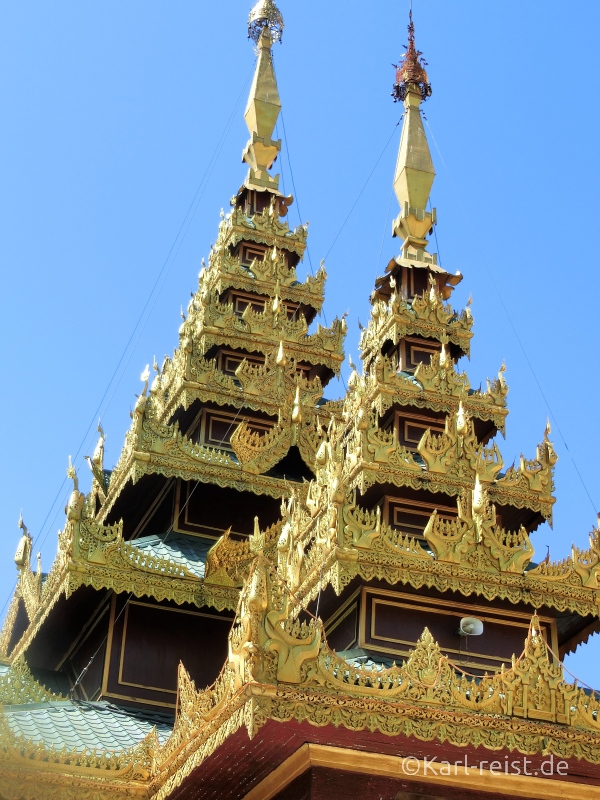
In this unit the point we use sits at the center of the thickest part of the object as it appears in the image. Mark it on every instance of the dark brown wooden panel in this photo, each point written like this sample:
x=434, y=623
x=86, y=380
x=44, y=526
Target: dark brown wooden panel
x=207, y=510
x=341, y=629
x=147, y=642
x=415, y=351
x=410, y=516
x=391, y=623
x=229, y=360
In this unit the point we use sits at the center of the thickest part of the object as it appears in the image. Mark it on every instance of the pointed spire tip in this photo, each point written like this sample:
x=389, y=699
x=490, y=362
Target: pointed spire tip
x=411, y=68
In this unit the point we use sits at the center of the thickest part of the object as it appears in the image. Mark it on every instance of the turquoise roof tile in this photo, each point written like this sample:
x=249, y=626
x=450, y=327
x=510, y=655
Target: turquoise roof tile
x=85, y=726
x=189, y=551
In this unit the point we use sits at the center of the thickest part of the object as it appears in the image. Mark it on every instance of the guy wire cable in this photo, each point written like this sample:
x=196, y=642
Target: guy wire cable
x=167, y=265
x=512, y=325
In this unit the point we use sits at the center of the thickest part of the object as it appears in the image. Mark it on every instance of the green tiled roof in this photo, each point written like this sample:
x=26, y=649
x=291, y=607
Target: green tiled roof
x=189, y=551
x=84, y=726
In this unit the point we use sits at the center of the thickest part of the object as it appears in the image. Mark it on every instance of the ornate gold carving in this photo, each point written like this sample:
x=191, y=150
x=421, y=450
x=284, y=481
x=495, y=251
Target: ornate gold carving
x=265, y=644
x=6, y=632
x=581, y=565
x=29, y=583
x=258, y=453
x=425, y=315
x=264, y=228
x=451, y=461
x=262, y=331
x=96, y=463
x=226, y=270
x=131, y=765
x=457, y=451
x=28, y=783
x=18, y=686
x=230, y=559
x=475, y=538
x=534, y=475
x=103, y=560
x=471, y=555
x=278, y=665
x=284, y=674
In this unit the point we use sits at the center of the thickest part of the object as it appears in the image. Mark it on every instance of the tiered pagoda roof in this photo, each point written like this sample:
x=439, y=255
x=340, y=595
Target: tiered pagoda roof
x=395, y=495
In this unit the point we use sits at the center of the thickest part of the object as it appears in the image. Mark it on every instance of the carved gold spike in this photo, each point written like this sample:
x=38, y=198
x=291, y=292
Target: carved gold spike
x=281, y=360
x=261, y=114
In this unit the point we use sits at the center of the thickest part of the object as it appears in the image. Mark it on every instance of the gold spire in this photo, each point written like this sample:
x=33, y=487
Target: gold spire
x=265, y=26
x=414, y=169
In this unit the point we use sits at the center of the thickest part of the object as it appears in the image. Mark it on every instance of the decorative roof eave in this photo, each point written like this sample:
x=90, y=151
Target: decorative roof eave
x=321, y=349
x=190, y=590
x=437, y=386
x=103, y=560
x=32, y=770
x=49, y=599
x=6, y=633
x=218, y=324
x=30, y=777
x=152, y=448
x=384, y=397
x=52, y=589
x=309, y=293
x=278, y=668
x=255, y=705
x=450, y=462
x=366, y=474
x=422, y=317
x=343, y=564
x=18, y=686
x=92, y=554
x=452, y=278
x=266, y=387
x=264, y=228
x=189, y=392
x=264, y=275
x=219, y=468
x=405, y=562
x=472, y=560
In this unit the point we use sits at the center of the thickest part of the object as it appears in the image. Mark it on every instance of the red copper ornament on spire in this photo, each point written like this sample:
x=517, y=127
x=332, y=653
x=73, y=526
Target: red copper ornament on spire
x=411, y=69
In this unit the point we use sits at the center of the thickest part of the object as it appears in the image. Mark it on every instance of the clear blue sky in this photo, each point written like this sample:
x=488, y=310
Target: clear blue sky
x=115, y=117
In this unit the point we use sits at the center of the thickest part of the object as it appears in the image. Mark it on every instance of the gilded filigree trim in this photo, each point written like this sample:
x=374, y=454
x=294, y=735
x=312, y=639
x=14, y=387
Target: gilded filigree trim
x=8, y=625
x=283, y=670
x=264, y=228
x=133, y=764
x=196, y=593
x=425, y=316
x=18, y=686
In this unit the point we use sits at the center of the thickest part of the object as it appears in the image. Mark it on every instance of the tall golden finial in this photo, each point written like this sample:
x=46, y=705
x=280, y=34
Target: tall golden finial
x=414, y=169
x=265, y=26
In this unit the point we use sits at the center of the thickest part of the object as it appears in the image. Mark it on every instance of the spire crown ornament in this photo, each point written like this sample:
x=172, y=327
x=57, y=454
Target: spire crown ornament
x=411, y=69
x=415, y=173
x=265, y=16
